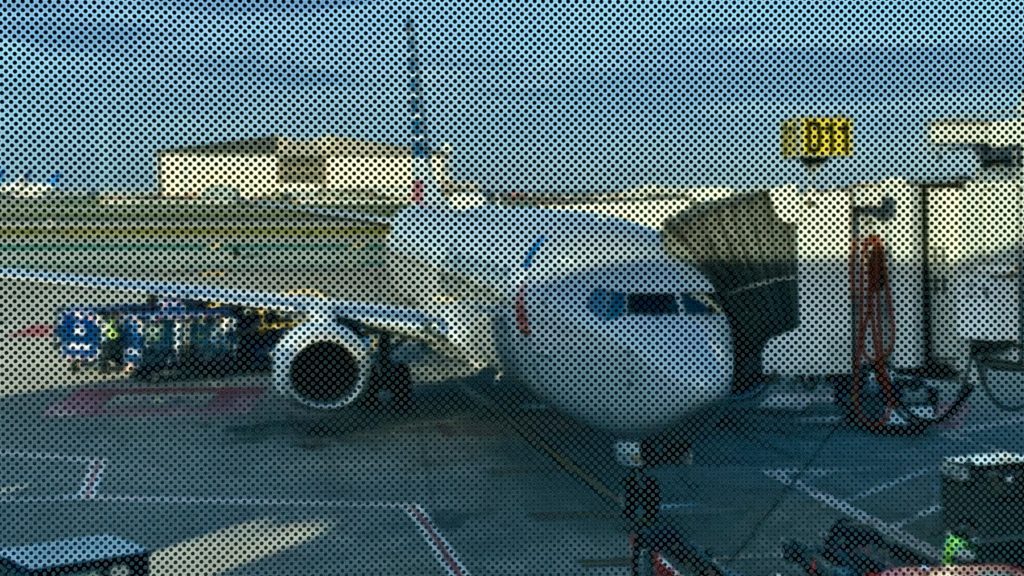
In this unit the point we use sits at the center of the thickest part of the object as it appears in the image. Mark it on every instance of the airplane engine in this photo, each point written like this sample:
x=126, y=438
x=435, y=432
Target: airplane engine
x=323, y=366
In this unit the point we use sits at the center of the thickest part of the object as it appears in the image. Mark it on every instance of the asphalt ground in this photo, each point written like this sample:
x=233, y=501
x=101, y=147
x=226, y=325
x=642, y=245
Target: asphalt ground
x=256, y=487
x=250, y=485
x=223, y=477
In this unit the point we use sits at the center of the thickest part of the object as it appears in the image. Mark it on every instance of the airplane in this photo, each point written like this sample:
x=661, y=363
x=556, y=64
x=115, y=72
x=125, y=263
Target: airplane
x=587, y=311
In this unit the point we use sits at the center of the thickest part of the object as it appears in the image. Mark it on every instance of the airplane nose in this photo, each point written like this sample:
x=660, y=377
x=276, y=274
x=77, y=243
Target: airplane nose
x=654, y=373
x=712, y=347
x=689, y=353
x=693, y=358
x=631, y=374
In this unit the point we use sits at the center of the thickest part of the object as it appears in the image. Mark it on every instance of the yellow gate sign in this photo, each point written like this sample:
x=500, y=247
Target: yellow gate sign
x=822, y=137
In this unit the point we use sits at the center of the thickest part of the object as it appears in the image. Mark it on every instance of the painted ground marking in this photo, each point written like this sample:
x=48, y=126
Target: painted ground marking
x=892, y=531
x=163, y=401
x=891, y=484
x=444, y=552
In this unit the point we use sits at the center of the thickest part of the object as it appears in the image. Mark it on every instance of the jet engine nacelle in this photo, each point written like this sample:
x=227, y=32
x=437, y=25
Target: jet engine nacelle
x=322, y=365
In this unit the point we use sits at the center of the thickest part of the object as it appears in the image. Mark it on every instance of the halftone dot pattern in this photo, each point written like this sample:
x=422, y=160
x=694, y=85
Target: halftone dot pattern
x=357, y=287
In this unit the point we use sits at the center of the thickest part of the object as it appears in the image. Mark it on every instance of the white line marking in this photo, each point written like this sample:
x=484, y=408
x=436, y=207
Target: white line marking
x=89, y=490
x=218, y=501
x=93, y=473
x=785, y=472
x=663, y=567
x=922, y=514
x=226, y=550
x=1006, y=421
x=892, y=531
x=10, y=488
x=443, y=551
x=666, y=506
x=796, y=401
x=891, y=484
x=91, y=482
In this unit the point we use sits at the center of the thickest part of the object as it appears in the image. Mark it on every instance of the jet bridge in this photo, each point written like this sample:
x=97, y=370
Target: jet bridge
x=750, y=254
x=988, y=218
x=780, y=261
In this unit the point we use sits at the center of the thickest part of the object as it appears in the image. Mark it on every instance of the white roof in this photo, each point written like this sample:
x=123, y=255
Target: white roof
x=993, y=133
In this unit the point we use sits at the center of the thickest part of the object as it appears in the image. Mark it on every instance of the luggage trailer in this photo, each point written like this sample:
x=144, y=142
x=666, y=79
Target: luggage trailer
x=186, y=337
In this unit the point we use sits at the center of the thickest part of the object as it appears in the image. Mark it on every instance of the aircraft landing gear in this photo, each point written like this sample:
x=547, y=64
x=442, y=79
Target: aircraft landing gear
x=657, y=548
x=386, y=375
x=396, y=379
x=401, y=388
x=641, y=504
x=653, y=452
x=642, y=499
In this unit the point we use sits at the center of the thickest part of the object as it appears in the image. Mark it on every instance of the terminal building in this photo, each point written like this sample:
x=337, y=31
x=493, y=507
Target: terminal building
x=329, y=169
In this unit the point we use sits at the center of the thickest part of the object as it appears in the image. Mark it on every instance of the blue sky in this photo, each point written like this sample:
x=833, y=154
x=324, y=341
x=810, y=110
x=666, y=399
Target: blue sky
x=530, y=96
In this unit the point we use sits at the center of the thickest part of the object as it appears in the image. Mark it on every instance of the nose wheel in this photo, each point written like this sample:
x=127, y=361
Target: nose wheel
x=642, y=499
x=653, y=452
x=656, y=547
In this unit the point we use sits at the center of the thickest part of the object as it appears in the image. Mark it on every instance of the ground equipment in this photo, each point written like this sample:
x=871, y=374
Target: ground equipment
x=983, y=502
x=190, y=338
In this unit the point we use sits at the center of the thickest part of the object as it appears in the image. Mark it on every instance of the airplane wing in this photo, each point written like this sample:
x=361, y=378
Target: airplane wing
x=400, y=321
x=330, y=213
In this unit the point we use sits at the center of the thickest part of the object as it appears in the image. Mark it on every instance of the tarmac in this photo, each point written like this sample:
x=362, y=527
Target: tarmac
x=221, y=476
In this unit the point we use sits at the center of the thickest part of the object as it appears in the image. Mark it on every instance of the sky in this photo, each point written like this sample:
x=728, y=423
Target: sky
x=530, y=96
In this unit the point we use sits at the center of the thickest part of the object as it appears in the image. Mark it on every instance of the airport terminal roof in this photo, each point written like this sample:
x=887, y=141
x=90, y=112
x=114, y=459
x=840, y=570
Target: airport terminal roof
x=276, y=145
x=993, y=133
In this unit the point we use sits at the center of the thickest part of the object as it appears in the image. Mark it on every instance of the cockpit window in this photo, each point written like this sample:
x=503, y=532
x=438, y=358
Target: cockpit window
x=609, y=304
x=652, y=304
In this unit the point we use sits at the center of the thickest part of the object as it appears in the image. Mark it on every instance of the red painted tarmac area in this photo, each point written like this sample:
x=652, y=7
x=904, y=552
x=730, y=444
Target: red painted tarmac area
x=33, y=331
x=166, y=401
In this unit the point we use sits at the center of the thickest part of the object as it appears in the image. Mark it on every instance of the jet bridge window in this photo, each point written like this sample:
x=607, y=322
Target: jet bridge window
x=609, y=305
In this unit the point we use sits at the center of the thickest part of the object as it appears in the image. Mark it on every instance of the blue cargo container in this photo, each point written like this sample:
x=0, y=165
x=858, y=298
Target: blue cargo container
x=78, y=334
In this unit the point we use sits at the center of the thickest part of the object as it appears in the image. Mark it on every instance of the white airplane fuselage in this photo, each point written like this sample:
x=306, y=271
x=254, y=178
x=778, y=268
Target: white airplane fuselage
x=587, y=311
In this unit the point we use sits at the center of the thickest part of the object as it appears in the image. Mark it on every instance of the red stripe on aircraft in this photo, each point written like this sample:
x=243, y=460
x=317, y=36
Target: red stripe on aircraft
x=417, y=192
x=522, y=319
